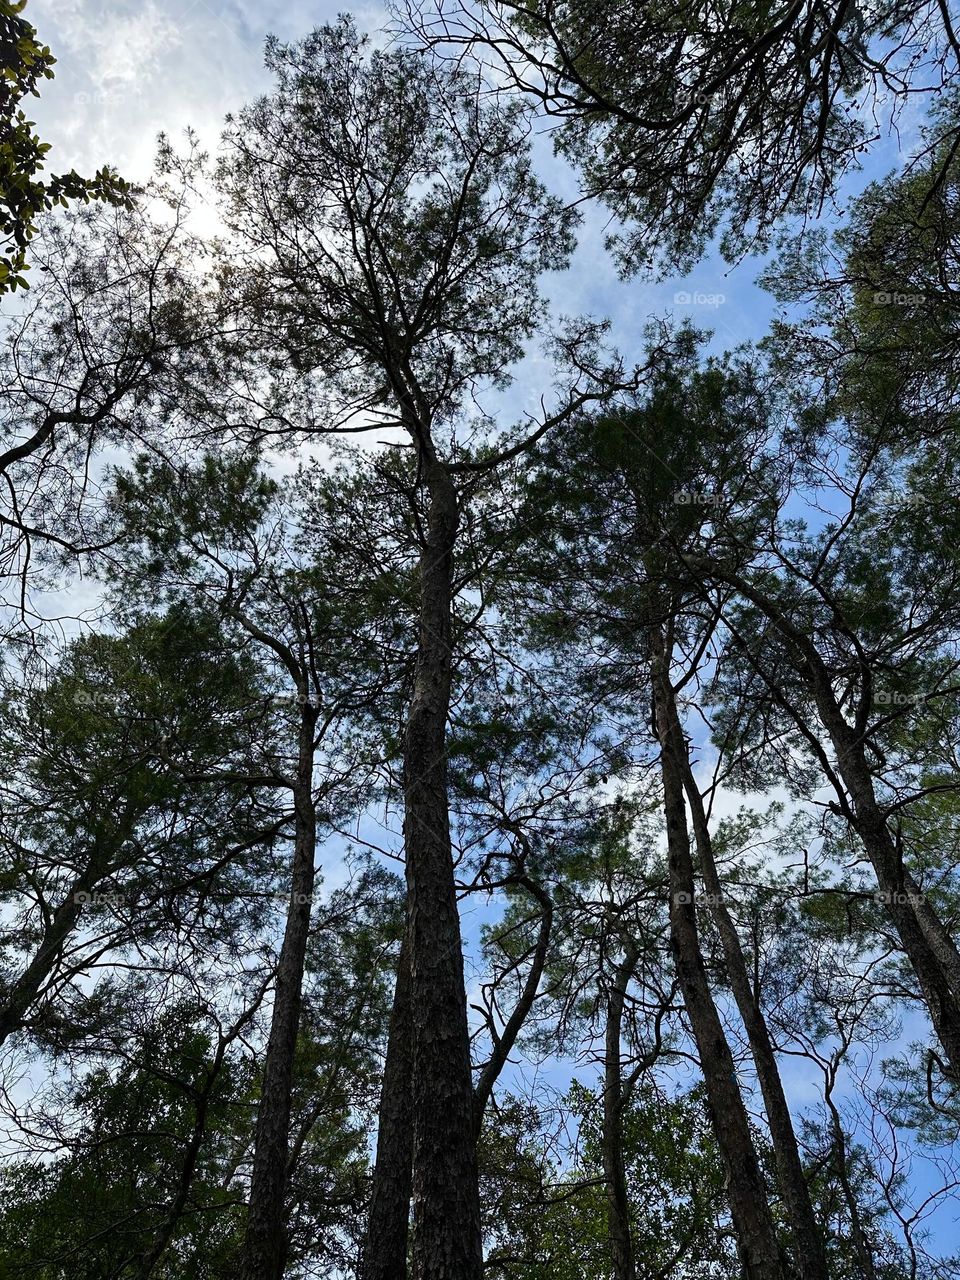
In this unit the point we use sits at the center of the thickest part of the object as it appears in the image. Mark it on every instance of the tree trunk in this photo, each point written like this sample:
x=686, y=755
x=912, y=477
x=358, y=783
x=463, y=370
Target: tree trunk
x=446, y=1202
x=926, y=943
x=752, y=1220
x=618, y=1204
x=265, y=1242
x=503, y=1046
x=807, y=1238
x=385, y=1246
x=24, y=991
x=860, y=1242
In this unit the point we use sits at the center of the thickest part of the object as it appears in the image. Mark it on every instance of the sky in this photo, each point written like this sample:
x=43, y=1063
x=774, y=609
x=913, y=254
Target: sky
x=129, y=69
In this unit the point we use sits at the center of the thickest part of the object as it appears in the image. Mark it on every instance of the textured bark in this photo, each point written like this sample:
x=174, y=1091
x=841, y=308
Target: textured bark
x=265, y=1241
x=938, y=937
x=752, y=1220
x=807, y=1237
x=446, y=1202
x=618, y=1204
x=388, y=1222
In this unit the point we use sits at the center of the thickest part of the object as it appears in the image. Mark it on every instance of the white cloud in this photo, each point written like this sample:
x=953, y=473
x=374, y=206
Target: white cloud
x=121, y=48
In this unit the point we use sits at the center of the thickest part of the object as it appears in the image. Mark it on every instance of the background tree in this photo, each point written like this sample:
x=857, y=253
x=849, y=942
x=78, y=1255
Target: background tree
x=700, y=119
x=107, y=843
x=113, y=341
x=219, y=531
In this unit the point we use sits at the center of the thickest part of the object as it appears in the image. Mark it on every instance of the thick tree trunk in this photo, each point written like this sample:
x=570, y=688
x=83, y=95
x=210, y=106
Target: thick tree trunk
x=385, y=1246
x=618, y=1203
x=752, y=1220
x=807, y=1237
x=446, y=1203
x=265, y=1242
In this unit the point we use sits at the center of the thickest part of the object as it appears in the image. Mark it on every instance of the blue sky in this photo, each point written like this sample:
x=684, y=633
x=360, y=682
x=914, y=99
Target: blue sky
x=128, y=69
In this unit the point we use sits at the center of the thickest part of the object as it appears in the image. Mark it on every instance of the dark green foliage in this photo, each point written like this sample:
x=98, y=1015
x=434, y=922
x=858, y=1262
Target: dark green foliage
x=548, y=1221
x=24, y=195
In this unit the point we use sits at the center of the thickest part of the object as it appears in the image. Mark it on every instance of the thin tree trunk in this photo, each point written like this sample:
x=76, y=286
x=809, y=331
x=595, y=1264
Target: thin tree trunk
x=752, y=1220
x=919, y=929
x=265, y=1242
x=807, y=1238
x=618, y=1203
x=24, y=991
x=860, y=1242
x=446, y=1202
x=926, y=943
x=503, y=1046
x=388, y=1223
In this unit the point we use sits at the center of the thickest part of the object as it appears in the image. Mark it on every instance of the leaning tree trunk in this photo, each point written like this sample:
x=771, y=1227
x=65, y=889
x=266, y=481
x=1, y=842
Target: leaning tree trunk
x=928, y=946
x=446, y=1202
x=265, y=1241
x=752, y=1220
x=807, y=1237
x=503, y=1046
x=926, y=942
x=24, y=991
x=58, y=928
x=385, y=1245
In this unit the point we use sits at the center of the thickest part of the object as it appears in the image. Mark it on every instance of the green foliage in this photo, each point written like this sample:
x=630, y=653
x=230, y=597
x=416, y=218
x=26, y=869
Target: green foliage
x=694, y=121
x=547, y=1222
x=879, y=340
x=97, y=1210
x=24, y=64
x=425, y=284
